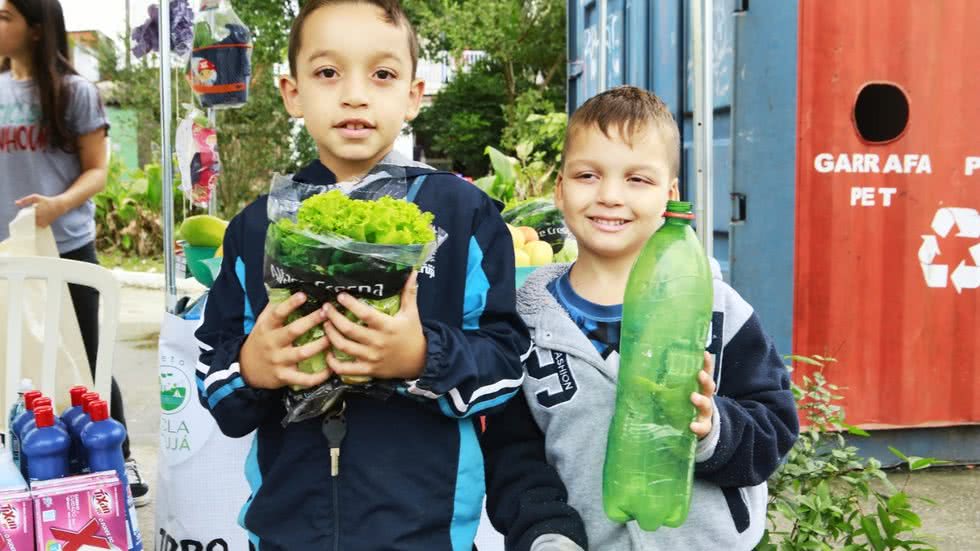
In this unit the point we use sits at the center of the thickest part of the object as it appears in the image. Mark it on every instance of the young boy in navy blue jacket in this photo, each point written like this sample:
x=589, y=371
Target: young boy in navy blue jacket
x=620, y=167
x=411, y=472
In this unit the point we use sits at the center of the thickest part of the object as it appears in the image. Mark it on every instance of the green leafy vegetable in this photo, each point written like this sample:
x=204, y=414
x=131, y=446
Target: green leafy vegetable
x=397, y=234
x=386, y=221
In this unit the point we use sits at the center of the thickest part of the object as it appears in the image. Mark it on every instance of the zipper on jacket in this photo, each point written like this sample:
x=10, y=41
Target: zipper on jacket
x=334, y=429
x=336, y=515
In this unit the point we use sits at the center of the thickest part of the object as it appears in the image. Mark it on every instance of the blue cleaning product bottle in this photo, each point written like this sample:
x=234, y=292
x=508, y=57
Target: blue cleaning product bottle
x=67, y=417
x=18, y=427
x=43, y=401
x=12, y=441
x=102, y=441
x=76, y=393
x=46, y=447
x=78, y=423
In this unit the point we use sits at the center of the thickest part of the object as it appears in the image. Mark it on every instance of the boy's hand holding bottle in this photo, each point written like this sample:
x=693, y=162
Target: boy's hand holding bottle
x=704, y=400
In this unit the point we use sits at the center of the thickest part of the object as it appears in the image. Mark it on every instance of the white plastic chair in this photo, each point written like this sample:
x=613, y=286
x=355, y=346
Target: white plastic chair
x=57, y=272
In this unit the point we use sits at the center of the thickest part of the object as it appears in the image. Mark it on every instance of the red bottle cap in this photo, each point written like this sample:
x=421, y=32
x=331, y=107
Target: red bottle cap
x=98, y=411
x=43, y=401
x=88, y=398
x=76, y=393
x=29, y=398
x=43, y=416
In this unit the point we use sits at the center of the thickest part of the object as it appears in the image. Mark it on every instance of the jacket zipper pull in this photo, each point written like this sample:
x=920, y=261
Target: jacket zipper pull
x=334, y=429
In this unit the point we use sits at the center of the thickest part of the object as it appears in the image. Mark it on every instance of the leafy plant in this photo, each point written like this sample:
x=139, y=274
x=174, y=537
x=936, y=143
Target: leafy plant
x=538, y=122
x=826, y=496
x=127, y=211
x=384, y=221
x=321, y=266
x=515, y=179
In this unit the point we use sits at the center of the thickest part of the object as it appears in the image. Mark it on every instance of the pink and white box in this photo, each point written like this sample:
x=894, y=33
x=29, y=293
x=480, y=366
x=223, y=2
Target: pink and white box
x=16, y=521
x=80, y=513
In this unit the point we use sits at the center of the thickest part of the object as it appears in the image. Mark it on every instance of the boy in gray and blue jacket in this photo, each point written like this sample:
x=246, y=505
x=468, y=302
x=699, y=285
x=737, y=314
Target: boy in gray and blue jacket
x=619, y=169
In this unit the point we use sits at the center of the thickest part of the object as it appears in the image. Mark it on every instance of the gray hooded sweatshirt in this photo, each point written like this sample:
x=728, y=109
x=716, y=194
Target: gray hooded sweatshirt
x=571, y=391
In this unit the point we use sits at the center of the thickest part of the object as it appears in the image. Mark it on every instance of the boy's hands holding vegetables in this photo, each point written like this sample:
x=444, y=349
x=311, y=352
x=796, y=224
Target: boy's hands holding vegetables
x=384, y=347
x=268, y=358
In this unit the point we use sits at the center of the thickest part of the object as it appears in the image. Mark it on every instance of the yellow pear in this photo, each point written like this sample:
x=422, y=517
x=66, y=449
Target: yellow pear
x=540, y=252
x=517, y=235
x=530, y=234
x=521, y=258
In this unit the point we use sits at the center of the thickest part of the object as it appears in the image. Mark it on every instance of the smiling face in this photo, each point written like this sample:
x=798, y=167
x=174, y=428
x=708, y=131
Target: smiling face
x=353, y=85
x=613, y=195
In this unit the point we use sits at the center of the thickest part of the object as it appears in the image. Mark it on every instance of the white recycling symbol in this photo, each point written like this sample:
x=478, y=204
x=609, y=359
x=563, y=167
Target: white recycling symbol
x=964, y=276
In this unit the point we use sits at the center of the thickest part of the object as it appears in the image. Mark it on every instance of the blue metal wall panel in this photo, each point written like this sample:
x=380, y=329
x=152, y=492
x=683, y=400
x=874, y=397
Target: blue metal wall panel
x=722, y=180
x=722, y=60
x=648, y=44
x=662, y=51
x=764, y=157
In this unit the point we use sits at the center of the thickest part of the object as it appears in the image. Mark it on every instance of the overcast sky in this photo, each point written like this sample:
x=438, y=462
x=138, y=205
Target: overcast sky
x=108, y=16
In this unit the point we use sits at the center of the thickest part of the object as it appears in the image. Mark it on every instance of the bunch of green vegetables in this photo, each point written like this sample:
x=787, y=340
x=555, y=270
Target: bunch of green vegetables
x=336, y=238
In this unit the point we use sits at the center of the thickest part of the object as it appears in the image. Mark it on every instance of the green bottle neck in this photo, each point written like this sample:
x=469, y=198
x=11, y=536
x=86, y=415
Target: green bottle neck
x=671, y=221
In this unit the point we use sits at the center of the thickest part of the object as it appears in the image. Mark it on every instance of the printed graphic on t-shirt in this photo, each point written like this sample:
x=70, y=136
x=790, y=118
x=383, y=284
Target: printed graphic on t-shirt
x=551, y=367
x=19, y=130
x=603, y=334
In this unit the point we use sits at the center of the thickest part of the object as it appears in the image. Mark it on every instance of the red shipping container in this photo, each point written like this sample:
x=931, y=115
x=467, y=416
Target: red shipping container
x=888, y=194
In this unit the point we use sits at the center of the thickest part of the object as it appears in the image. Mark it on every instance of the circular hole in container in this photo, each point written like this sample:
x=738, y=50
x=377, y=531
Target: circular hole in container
x=881, y=112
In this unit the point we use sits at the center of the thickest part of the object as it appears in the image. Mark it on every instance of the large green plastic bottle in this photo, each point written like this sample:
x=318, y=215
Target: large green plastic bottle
x=666, y=318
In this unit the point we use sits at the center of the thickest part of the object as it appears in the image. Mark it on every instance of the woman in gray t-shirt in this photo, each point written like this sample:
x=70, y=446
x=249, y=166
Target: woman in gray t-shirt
x=53, y=132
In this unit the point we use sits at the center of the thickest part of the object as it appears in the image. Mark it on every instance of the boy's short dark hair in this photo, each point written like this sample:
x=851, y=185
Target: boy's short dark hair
x=394, y=14
x=628, y=110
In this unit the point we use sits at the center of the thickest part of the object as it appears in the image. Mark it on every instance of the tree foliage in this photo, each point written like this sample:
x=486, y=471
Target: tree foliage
x=525, y=39
x=524, y=73
x=466, y=116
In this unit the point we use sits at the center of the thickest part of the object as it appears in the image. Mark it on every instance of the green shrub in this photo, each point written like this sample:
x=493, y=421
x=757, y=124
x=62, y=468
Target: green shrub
x=538, y=122
x=128, y=212
x=826, y=496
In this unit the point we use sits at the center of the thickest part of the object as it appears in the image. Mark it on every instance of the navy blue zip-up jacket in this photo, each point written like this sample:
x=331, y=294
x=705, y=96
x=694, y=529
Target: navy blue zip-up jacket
x=411, y=468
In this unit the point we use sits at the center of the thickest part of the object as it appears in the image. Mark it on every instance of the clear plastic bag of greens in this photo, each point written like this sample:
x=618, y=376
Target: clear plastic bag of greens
x=322, y=242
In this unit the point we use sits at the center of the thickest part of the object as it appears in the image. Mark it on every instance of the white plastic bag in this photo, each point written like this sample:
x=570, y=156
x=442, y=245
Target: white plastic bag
x=26, y=239
x=201, y=485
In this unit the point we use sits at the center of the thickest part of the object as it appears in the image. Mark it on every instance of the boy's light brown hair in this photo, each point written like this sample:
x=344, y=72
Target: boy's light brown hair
x=393, y=14
x=628, y=110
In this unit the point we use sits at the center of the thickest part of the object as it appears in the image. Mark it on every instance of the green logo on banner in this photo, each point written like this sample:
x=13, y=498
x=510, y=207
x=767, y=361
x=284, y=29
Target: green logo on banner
x=174, y=389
